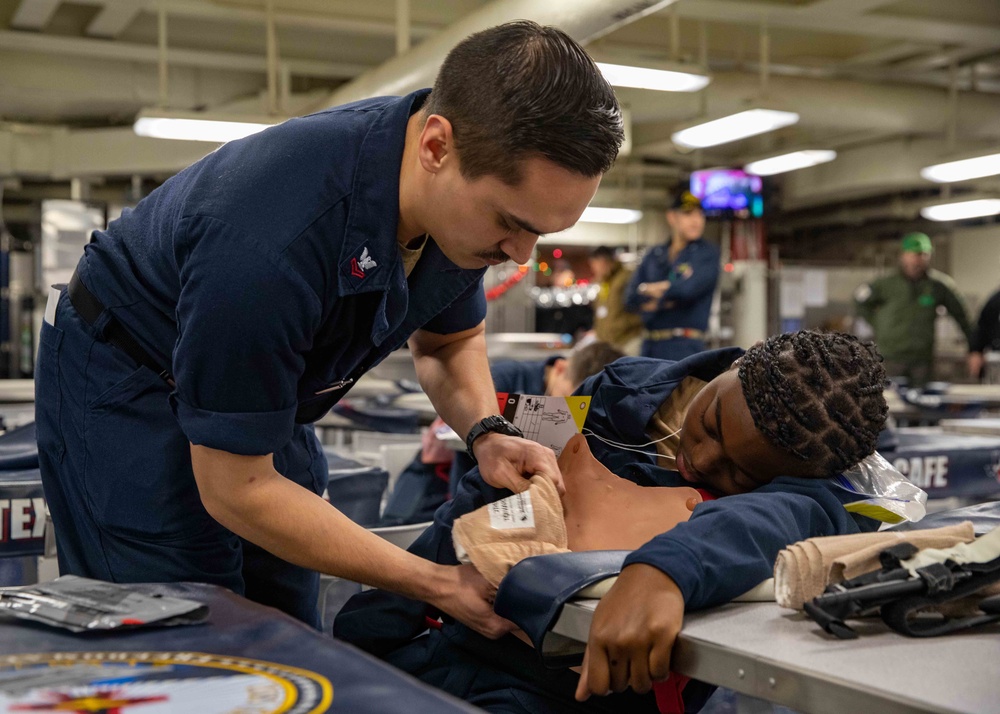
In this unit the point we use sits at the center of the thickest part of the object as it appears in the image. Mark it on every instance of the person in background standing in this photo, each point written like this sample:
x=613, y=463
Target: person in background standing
x=986, y=336
x=612, y=322
x=672, y=289
x=902, y=307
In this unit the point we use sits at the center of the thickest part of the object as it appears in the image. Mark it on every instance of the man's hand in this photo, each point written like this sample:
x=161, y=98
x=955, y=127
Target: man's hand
x=976, y=362
x=632, y=633
x=466, y=596
x=650, y=306
x=509, y=461
x=654, y=291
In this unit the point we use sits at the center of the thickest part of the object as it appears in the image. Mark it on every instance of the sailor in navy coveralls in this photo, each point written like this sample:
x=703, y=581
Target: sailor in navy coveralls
x=208, y=327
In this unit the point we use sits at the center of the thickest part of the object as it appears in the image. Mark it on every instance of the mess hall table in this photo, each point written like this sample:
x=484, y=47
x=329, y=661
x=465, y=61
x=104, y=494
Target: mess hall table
x=246, y=657
x=768, y=652
x=985, y=426
x=17, y=391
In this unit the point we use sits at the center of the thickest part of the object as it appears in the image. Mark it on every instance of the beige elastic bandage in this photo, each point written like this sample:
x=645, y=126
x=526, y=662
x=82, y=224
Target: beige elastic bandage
x=498, y=535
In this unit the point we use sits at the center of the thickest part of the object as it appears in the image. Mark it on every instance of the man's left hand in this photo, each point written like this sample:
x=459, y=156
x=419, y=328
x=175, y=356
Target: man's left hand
x=632, y=633
x=509, y=461
x=654, y=290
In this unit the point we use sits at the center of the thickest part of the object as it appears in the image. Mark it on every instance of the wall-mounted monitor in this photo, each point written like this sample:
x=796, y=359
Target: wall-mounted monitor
x=729, y=192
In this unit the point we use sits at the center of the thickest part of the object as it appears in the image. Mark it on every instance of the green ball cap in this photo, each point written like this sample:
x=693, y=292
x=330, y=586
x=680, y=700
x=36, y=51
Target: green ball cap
x=917, y=243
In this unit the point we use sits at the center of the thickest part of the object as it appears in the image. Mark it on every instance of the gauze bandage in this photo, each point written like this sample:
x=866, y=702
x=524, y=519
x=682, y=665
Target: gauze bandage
x=804, y=569
x=498, y=535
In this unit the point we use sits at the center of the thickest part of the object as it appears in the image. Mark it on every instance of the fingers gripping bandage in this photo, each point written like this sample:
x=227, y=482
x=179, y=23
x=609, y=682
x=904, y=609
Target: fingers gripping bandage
x=495, y=537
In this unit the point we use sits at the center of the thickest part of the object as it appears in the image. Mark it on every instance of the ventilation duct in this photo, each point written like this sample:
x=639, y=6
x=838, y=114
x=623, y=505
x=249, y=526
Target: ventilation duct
x=583, y=20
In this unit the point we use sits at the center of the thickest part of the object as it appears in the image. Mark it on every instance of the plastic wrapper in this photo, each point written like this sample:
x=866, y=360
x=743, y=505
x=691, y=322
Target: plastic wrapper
x=889, y=496
x=82, y=605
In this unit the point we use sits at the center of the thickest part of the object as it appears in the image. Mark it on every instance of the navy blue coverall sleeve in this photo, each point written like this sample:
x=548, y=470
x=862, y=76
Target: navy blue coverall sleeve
x=238, y=359
x=703, y=278
x=729, y=545
x=643, y=274
x=468, y=310
x=987, y=334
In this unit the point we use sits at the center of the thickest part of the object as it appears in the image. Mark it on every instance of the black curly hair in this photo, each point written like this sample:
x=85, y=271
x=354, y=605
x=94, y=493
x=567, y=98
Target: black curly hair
x=816, y=395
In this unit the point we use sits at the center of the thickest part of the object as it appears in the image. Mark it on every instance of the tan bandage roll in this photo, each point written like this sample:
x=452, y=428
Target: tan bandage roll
x=495, y=537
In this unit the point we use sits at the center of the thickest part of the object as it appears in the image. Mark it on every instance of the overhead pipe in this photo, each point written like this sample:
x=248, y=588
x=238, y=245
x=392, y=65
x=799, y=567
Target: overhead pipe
x=583, y=20
x=161, y=56
x=402, y=26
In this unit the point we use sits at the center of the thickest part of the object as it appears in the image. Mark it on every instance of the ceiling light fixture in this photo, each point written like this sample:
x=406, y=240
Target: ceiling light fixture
x=962, y=210
x=593, y=214
x=963, y=169
x=792, y=161
x=663, y=80
x=733, y=127
x=194, y=126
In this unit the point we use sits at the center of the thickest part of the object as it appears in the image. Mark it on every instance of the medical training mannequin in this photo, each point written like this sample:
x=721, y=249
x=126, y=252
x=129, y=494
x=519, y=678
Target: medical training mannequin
x=598, y=511
x=761, y=431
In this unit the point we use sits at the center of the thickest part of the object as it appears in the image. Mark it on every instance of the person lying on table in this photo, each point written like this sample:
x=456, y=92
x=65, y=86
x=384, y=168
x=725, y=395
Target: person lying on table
x=760, y=430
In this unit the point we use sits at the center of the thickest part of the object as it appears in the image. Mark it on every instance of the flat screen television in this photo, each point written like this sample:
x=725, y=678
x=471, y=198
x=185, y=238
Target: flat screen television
x=729, y=192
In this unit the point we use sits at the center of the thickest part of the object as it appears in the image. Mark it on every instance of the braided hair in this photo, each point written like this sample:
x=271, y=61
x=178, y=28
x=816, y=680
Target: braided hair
x=817, y=396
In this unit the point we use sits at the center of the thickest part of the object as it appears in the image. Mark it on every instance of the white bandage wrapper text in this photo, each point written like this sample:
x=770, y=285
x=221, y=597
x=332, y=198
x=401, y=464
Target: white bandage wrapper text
x=512, y=512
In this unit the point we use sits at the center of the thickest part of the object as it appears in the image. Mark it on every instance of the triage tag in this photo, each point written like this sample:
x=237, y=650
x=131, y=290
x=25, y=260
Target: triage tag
x=512, y=512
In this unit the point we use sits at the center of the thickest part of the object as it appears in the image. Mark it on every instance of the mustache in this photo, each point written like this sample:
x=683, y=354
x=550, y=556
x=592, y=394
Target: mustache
x=493, y=255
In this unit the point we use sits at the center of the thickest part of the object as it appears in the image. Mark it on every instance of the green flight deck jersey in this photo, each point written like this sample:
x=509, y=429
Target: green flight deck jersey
x=902, y=313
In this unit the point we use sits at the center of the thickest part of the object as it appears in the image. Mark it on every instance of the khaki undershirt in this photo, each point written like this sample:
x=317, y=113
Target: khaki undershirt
x=410, y=256
x=670, y=416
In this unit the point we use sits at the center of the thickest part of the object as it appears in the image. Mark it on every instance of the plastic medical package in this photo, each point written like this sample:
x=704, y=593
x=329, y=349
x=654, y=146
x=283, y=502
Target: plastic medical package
x=890, y=496
x=81, y=605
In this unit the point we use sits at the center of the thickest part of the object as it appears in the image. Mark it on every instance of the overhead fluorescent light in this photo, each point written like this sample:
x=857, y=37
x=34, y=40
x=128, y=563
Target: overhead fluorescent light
x=792, y=161
x=961, y=210
x=192, y=126
x=733, y=127
x=592, y=214
x=663, y=80
x=963, y=170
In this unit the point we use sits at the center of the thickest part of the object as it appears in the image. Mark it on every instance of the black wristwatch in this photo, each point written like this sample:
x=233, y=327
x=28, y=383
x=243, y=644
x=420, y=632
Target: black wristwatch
x=495, y=423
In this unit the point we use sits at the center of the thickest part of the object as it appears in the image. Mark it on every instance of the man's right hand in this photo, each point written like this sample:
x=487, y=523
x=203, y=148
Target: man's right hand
x=976, y=363
x=466, y=596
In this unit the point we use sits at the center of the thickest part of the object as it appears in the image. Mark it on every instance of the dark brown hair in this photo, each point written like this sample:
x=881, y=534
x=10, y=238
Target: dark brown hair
x=589, y=360
x=520, y=90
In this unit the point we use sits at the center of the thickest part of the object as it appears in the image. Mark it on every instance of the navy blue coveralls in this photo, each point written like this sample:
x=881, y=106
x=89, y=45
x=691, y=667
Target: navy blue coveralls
x=685, y=305
x=262, y=276
x=728, y=546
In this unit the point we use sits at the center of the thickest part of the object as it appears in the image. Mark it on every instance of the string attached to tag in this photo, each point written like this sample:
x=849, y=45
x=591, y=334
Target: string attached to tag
x=632, y=447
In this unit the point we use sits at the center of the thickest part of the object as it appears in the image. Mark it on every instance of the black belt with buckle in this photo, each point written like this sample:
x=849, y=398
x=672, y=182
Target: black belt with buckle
x=90, y=308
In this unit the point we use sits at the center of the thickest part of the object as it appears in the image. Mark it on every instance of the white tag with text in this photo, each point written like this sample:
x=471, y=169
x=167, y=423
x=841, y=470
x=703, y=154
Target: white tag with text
x=512, y=512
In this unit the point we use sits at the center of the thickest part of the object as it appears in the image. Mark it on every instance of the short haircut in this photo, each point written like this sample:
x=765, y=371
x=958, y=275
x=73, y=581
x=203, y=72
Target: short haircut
x=520, y=90
x=589, y=360
x=817, y=396
x=602, y=251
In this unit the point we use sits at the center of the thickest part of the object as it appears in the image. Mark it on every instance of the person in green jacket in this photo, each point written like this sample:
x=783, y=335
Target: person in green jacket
x=612, y=322
x=901, y=307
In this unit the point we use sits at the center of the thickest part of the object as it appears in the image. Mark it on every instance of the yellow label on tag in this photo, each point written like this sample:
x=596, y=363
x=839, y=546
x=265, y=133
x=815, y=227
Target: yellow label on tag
x=578, y=407
x=873, y=511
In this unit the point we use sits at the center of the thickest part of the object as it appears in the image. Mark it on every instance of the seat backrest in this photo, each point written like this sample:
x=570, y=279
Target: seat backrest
x=19, y=449
x=401, y=536
x=358, y=493
x=374, y=440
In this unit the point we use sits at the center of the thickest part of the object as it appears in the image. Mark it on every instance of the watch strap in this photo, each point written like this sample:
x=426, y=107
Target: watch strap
x=491, y=424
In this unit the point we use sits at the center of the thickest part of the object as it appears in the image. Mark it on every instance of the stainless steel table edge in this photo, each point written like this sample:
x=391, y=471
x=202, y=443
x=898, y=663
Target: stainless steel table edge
x=778, y=682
